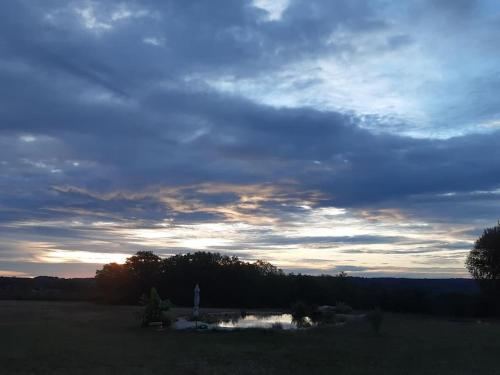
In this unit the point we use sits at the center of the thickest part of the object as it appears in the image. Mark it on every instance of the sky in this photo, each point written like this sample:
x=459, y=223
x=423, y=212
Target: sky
x=322, y=136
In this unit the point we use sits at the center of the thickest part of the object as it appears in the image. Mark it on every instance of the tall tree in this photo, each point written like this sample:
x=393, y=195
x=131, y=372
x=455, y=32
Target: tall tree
x=116, y=284
x=144, y=267
x=483, y=261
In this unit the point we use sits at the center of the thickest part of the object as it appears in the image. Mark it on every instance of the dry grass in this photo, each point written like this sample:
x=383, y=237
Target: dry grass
x=81, y=338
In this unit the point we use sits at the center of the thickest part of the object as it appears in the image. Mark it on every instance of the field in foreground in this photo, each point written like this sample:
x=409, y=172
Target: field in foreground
x=82, y=338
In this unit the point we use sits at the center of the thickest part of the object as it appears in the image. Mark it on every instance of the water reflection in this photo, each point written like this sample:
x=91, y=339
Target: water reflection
x=281, y=321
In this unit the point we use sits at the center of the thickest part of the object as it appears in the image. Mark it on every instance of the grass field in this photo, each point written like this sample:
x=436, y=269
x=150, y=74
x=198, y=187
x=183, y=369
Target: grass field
x=82, y=338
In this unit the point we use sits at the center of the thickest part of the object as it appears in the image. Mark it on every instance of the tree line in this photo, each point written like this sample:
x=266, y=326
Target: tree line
x=226, y=281
x=230, y=282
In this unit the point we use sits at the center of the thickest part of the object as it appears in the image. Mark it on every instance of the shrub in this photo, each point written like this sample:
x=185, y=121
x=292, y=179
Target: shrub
x=375, y=319
x=154, y=308
x=299, y=310
x=303, y=322
x=314, y=313
x=324, y=316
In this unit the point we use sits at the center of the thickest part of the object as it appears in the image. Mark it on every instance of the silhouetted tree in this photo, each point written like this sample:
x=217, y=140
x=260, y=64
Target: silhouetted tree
x=267, y=269
x=116, y=284
x=144, y=267
x=227, y=281
x=483, y=261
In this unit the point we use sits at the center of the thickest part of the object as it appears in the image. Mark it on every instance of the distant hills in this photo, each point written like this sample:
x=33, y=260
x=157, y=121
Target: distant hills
x=55, y=288
x=47, y=288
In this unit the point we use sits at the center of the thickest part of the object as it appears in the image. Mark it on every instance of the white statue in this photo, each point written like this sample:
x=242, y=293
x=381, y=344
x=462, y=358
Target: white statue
x=196, y=308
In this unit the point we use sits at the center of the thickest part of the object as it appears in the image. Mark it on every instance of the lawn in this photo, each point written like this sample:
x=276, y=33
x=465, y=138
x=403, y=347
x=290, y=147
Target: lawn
x=83, y=338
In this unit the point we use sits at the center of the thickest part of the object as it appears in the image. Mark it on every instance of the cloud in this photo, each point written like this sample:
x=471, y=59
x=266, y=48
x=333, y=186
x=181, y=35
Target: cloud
x=145, y=124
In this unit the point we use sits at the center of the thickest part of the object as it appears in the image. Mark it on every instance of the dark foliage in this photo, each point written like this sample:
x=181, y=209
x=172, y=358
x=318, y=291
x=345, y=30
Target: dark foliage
x=300, y=310
x=155, y=309
x=117, y=284
x=483, y=263
x=143, y=269
x=229, y=282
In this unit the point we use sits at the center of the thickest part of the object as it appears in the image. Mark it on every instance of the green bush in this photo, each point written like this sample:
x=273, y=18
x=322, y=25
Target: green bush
x=154, y=308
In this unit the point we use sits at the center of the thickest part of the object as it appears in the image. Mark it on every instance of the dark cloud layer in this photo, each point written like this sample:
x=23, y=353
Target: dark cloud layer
x=106, y=115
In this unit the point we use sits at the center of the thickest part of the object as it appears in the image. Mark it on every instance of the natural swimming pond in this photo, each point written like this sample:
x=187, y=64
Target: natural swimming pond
x=232, y=321
x=283, y=321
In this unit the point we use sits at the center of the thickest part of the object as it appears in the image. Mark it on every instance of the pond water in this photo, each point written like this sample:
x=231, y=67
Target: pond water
x=284, y=321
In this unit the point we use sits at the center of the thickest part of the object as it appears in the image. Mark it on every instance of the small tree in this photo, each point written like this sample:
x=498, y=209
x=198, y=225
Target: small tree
x=483, y=261
x=155, y=309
